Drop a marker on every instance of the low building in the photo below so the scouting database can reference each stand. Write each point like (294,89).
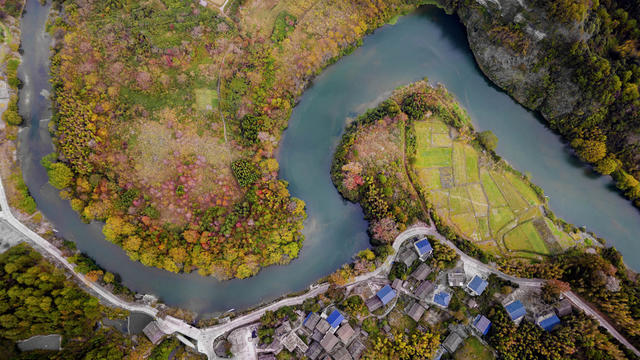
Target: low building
(396,284)
(345,333)
(323,326)
(292,341)
(456,277)
(311,321)
(373,303)
(268,356)
(342,354)
(423,290)
(481,324)
(472,304)
(283,329)
(452,342)
(335,319)
(317,335)
(477,285)
(416,311)
(442,299)
(421,272)
(328,342)
(356,349)
(548,321)
(563,308)
(153,332)
(314,351)
(516,310)
(386,294)
(407,257)
(423,248)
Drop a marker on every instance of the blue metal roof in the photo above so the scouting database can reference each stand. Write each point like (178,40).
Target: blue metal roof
(386,294)
(478,284)
(423,246)
(550,322)
(442,298)
(335,319)
(482,324)
(516,310)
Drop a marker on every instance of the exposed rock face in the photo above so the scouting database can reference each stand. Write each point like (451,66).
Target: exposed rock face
(507,39)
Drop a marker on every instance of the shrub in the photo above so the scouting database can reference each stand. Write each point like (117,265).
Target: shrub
(245,172)
(488,140)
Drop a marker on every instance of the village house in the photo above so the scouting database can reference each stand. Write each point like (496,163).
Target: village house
(563,307)
(153,332)
(415,311)
(345,333)
(407,257)
(442,299)
(423,290)
(335,319)
(396,284)
(342,354)
(481,324)
(452,342)
(356,349)
(314,351)
(477,285)
(268,356)
(291,341)
(328,342)
(516,311)
(548,321)
(323,326)
(421,273)
(423,249)
(456,277)
(382,298)
(311,321)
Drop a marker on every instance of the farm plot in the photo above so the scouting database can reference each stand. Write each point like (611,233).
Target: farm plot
(526,238)
(491,206)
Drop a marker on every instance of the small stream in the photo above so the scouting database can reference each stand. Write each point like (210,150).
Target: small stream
(425,43)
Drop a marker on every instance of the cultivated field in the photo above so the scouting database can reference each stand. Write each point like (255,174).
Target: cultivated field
(495,208)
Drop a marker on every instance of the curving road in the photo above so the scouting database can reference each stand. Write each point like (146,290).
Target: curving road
(205,337)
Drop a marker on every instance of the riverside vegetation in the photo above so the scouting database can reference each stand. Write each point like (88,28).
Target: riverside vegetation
(577,62)
(167,115)
(383,156)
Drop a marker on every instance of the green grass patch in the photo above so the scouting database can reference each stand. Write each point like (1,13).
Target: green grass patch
(459,164)
(423,134)
(491,189)
(564,240)
(471,162)
(473,349)
(483,227)
(206,99)
(467,224)
(499,217)
(515,201)
(438,126)
(440,199)
(478,199)
(434,157)
(525,238)
(393,20)
(524,189)
(430,178)
(441,140)
(459,201)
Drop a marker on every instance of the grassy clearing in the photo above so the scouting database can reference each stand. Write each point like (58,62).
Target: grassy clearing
(439,127)
(468,225)
(499,217)
(515,201)
(483,228)
(430,178)
(525,238)
(206,99)
(524,189)
(440,199)
(491,189)
(473,349)
(459,202)
(564,240)
(423,133)
(459,164)
(478,199)
(471,163)
(441,140)
(434,157)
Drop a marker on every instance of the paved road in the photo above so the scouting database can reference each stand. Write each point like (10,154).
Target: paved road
(205,337)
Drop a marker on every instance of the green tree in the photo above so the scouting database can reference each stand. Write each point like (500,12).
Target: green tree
(488,139)
(60,175)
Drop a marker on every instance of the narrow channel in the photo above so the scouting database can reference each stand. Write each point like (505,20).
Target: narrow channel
(425,43)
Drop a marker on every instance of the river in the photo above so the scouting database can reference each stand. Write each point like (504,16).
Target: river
(425,43)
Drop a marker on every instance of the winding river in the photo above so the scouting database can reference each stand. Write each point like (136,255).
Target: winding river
(425,43)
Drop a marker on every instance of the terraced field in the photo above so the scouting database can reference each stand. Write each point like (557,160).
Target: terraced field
(493,207)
